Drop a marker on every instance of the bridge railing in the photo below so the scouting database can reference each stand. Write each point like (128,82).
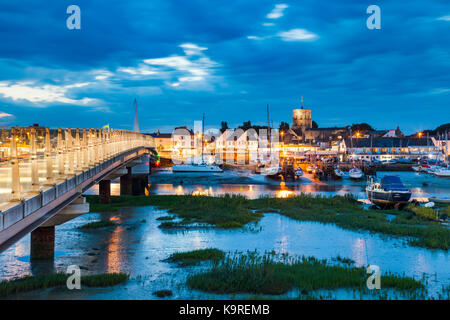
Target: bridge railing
(34,157)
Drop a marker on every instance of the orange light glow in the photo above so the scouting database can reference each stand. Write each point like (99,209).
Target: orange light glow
(284,194)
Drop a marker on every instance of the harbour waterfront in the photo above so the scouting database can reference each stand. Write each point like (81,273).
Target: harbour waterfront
(254,186)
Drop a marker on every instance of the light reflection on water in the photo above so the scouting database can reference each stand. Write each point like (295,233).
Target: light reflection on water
(255,186)
(139,248)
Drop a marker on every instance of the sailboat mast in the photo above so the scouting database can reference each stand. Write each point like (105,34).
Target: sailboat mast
(269,140)
(203,130)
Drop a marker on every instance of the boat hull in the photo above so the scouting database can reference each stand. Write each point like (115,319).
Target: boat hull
(194,168)
(388,199)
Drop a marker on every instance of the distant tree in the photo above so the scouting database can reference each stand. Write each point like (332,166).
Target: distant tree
(246,125)
(224,126)
(361,127)
(315,125)
(443,128)
(284,126)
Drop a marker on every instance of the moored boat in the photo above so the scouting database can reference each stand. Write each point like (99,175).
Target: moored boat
(439,200)
(389,193)
(338,173)
(442,172)
(355,174)
(201,167)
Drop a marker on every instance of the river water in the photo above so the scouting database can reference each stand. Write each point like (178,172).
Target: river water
(138,247)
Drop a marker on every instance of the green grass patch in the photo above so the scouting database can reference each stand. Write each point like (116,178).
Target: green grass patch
(98,224)
(44,281)
(236,211)
(229,211)
(274,275)
(196,256)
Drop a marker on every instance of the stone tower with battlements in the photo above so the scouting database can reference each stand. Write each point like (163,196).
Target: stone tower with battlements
(301,118)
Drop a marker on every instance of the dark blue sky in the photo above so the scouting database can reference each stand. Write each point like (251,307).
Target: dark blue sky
(227,59)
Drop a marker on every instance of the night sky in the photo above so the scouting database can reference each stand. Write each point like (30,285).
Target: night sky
(228,59)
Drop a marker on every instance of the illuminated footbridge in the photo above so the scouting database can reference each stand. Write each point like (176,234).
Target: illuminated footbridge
(44,172)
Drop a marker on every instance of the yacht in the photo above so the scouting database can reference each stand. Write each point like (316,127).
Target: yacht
(356,174)
(388,193)
(442,172)
(338,173)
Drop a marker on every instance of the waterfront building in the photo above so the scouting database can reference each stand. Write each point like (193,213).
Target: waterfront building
(383,149)
(163,143)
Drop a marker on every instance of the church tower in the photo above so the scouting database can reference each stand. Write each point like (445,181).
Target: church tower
(301,118)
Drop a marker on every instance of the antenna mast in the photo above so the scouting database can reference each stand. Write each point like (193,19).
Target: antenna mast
(136,123)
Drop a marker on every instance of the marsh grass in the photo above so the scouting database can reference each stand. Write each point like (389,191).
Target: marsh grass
(98,224)
(274,275)
(196,256)
(44,281)
(236,211)
(228,211)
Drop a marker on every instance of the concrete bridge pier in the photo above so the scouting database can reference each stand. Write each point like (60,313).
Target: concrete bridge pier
(139,185)
(104,191)
(42,246)
(126,182)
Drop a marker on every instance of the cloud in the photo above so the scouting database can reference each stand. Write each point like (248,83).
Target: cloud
(277,12)
(444,18)
(268,24)
(297,35)
(45,93)
(193,67)
(192,49)
(440,91)
(142,70)
(4,115)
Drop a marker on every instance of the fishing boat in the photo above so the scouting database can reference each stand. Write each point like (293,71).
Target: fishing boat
(389,193)
(355,174)
(198,167)
(298,172)
(421,168)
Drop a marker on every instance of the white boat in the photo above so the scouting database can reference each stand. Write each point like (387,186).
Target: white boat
(443,172)
(201,167)
(356,174)
(338,173)
(198,167)
(298,172)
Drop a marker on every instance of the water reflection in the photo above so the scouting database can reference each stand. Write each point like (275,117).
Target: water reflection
(139,248)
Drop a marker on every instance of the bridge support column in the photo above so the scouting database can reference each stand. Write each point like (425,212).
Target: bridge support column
(104,192)
(42,243)
(139,185)
(126,182)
